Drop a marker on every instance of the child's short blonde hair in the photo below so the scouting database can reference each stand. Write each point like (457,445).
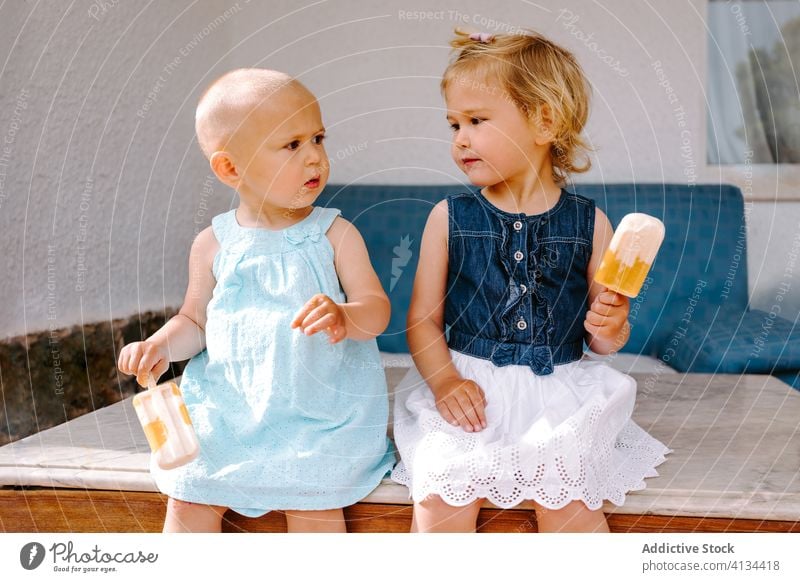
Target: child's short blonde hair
(534,73)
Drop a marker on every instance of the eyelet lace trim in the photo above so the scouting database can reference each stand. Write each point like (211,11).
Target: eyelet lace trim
(578,463)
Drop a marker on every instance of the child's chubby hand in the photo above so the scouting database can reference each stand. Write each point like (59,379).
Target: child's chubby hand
(607,315)
(321,313)
(143,359)
(462,403)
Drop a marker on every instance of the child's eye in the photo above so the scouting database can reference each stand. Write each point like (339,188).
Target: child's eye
(294,145)
(454,126)
(318,139)
(476,120)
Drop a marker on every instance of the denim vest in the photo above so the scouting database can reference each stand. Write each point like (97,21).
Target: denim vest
(516,284)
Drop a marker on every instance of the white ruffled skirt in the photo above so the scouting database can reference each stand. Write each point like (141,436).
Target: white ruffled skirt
(552,439)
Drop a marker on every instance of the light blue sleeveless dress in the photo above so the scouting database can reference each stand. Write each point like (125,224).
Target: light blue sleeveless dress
(284,420)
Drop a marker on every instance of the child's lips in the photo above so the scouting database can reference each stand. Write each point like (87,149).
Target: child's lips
(313,183)
(469,161)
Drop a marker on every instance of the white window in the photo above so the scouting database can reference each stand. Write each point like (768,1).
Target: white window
(753,82)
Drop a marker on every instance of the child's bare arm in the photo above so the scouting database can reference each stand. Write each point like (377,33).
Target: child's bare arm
(183,336)
(606,323)
(367,311)
(460,401)
(425,319)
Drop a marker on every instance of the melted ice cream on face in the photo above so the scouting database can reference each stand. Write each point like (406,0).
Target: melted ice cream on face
(630,254)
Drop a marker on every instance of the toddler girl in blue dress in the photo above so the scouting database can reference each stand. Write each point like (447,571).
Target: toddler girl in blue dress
(287,418)
(501,405)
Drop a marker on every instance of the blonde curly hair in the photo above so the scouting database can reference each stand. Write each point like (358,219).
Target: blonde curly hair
(541,78)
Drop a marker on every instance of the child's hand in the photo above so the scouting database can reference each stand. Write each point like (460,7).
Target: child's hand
(462,403)
(607,315)
(143,359)
(321,313)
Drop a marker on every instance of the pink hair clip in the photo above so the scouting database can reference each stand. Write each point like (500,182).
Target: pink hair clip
(483,37)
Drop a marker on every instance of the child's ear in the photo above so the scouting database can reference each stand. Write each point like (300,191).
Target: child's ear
(544,125)
(223,167)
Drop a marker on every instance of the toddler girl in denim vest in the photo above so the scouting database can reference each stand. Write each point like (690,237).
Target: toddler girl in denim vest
(501,406)
(287,417)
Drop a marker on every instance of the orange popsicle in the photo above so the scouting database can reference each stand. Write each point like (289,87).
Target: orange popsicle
(166,424)
(630,254)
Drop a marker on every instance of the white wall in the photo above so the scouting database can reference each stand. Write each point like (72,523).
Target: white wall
(87,161)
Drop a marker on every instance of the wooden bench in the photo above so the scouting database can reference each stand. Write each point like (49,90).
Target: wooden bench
(735,467)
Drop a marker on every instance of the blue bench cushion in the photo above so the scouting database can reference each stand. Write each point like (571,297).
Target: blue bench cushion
(732,342)
(704,253)
(705,245)
(391,219)
(791,378)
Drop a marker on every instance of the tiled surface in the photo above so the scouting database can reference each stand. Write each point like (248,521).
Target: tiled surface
(735,439)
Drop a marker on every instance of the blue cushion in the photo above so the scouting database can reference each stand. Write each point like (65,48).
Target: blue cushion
(705,247)
(730,342)
(391,220)
(705,242)
(791,378)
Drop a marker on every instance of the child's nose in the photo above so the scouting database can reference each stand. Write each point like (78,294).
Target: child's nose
(314,153)
(461,139)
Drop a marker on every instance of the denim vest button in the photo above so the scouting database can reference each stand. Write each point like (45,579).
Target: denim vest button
(521,325)
(518,225)
(519,256)
(523,289)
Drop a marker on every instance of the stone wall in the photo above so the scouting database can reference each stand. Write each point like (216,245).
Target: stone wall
(50,377)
